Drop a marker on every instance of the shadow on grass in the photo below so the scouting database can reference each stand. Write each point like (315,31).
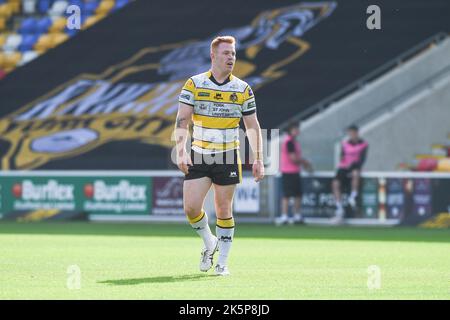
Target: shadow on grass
(163,279)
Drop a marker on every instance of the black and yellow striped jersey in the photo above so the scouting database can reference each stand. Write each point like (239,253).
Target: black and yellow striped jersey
(218,109)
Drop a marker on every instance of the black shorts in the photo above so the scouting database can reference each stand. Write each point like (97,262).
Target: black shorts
(222,168)
(344,175)
(292,185)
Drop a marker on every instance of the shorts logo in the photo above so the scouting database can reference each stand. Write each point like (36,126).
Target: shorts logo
(233,174)
(225,239)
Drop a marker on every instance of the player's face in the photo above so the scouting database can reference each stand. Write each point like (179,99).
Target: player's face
(295,132)
(224,57)
(353,135)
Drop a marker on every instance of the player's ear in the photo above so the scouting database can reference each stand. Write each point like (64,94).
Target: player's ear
(211,54)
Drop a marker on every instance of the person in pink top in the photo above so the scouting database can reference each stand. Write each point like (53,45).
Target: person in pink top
(291,162)
(353,156)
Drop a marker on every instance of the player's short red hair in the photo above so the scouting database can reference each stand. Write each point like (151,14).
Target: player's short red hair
(218,40)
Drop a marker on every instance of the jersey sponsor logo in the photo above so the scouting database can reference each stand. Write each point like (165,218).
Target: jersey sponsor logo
(91,110)
(203,94)
(185,96)
(218,96)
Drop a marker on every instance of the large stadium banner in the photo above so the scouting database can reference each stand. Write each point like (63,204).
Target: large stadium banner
(128,101)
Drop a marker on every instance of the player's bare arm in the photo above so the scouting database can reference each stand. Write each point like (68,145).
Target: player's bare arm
(182,122)
(253,131)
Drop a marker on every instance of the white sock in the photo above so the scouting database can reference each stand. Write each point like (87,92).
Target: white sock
(297,216)
(225,233)
(354,194)
(339,204)
(201,226)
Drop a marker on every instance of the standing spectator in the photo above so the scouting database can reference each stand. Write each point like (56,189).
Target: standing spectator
(353,156)
(291,162)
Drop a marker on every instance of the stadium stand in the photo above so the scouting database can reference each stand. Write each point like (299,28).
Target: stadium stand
(29,28)
(437,160)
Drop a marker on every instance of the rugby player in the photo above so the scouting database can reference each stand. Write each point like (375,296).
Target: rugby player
(215,101)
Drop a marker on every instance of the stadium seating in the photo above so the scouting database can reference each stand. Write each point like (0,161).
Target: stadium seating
(438,160)
(29,28)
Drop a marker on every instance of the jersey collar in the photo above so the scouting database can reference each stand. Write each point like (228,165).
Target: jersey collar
(211,77)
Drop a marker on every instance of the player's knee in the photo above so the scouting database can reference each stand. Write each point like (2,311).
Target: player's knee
(191,210)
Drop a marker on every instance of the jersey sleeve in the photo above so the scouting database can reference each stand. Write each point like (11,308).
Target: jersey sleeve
(187,94)
(249,105)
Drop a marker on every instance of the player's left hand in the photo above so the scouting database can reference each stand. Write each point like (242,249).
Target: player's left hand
(258,170)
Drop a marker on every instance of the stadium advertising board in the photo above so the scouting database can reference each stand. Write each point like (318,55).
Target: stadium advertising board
(168,196)
(117,195)
(408,201)
(99,195)
(246,197)
(34,193)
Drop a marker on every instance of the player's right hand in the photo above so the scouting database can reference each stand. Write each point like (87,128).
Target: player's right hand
(184,162)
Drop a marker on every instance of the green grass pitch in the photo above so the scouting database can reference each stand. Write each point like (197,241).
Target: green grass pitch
(160,261)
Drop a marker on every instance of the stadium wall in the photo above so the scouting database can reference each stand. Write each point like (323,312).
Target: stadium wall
(411,128)
(320,133)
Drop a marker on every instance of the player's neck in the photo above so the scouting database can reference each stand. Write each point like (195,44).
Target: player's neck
(220,76)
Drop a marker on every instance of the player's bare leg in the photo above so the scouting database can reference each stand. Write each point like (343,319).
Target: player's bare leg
(223,201)
(194,193)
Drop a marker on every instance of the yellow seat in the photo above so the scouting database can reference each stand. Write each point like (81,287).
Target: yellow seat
(15,5)
(2,23)
(105,6)
(44,43)
(58,38)
(92,20)
(2,60)
(443,165)
(5,10)
(58,25)
(429,156)
(2,39)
